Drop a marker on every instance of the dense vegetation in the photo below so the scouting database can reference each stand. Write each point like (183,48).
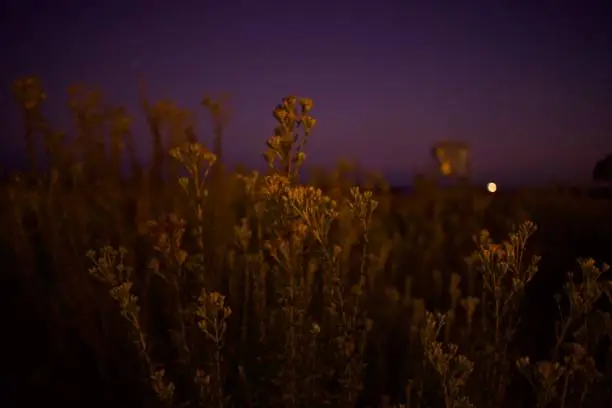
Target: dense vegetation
(242,289)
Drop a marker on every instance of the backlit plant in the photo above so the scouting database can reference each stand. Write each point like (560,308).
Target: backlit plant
(246,289)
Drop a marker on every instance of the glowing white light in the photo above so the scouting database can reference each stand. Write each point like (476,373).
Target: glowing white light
(491,187)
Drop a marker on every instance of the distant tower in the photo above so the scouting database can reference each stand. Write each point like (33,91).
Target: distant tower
(453,158)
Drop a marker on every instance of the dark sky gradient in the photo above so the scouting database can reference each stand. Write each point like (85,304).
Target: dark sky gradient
(528,84)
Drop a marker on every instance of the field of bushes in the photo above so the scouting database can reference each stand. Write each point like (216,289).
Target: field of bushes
(187,284)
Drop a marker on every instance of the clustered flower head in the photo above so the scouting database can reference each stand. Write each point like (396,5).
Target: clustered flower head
(362,205)
(504,262)
(213,312)
(167,233)
(274,186)
(193,156)
(285,151)
(108,265)
(310,205)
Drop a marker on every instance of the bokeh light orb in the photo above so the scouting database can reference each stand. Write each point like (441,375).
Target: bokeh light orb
(491,187)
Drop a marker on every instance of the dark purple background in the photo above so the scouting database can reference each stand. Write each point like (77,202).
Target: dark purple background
(527,85)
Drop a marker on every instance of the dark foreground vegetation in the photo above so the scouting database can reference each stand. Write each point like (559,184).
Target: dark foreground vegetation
(219,289)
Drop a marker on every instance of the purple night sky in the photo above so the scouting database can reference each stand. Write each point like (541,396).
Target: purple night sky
(528,86)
